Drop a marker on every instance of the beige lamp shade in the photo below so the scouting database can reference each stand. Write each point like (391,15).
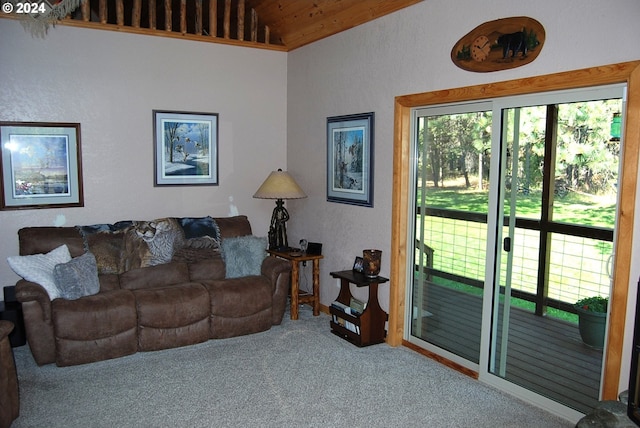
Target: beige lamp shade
(279,185)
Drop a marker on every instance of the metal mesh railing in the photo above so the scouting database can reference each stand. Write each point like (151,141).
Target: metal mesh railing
(577,268)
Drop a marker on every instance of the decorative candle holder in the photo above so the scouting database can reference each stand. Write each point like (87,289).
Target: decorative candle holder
(371,262)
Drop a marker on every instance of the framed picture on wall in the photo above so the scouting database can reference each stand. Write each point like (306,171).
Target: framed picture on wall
(185,148)
(350,159)
(41,165)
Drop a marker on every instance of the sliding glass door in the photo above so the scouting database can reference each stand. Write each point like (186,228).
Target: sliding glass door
(450,229)
(518,194)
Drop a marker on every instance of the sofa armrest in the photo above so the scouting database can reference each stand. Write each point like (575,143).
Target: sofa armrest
(273,267)
(5,328)
(36,310)
(27,291)
(279,273)
(9,393)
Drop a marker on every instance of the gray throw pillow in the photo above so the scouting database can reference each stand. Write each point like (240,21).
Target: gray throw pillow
(243,255)
(78,277)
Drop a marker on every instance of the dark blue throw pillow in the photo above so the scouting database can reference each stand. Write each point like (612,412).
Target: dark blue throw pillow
(197,227)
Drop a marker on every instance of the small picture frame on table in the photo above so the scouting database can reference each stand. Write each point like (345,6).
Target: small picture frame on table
(358,265)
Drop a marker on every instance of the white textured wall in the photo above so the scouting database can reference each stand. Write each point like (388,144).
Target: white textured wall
(110,82)
(363,69)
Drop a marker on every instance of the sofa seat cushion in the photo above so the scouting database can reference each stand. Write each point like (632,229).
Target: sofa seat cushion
(155,276)
(94,328)
(240,306)
(239,297)
(172,316)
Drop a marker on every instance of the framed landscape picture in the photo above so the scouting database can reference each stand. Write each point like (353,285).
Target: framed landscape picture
(185,148)
(350,159)
(41,165)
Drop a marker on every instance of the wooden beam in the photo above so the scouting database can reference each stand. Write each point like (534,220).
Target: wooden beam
(136,12)
(213,18)
(78,23)
(254,25)
(183,16)
(152,15)
(227,19)
(85,7)
(240,35)
(167,15)
(120,12)
(198,17)
(102,11)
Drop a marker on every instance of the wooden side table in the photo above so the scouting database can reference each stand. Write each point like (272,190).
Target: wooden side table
(369,326)
(298,297)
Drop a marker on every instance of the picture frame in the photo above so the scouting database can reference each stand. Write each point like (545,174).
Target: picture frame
(185,148)
(350,159)
(358,265)
(41,165)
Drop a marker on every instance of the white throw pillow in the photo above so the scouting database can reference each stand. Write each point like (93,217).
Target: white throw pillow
(39,268)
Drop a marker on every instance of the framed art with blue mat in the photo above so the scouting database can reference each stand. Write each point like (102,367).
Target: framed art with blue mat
(185,148)
(350,159)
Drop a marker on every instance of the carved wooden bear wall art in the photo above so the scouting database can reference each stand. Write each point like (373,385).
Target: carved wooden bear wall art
(499,45)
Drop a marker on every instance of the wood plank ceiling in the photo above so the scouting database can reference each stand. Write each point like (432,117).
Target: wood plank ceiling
(298,23)
(269,24)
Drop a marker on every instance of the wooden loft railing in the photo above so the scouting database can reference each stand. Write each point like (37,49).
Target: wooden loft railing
(218,21)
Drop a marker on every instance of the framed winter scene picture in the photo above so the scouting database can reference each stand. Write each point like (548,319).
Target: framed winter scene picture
(350,159)
(185,148)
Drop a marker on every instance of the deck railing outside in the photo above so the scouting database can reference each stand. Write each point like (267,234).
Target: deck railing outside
(578,266)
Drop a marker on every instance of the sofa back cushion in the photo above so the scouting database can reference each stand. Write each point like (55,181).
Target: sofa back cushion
(40,240)
(233,226)
(208,269)
(155,276)
(109,282)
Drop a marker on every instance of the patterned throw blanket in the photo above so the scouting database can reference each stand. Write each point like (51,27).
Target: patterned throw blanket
(131,244)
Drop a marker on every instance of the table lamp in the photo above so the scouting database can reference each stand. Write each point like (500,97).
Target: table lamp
(279,185)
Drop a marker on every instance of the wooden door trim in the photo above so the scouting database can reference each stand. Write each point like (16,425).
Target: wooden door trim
(629,73)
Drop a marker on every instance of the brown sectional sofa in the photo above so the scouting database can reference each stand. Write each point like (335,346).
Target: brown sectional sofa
(185,301)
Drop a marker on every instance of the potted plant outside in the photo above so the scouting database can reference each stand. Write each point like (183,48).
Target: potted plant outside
(592,320)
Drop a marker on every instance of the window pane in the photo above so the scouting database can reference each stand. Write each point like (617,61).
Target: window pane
(587,163)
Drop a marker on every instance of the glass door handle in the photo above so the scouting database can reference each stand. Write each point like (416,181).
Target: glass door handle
(506,244)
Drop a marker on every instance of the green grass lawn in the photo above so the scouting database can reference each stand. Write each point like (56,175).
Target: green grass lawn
(578,265)
(574,208)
